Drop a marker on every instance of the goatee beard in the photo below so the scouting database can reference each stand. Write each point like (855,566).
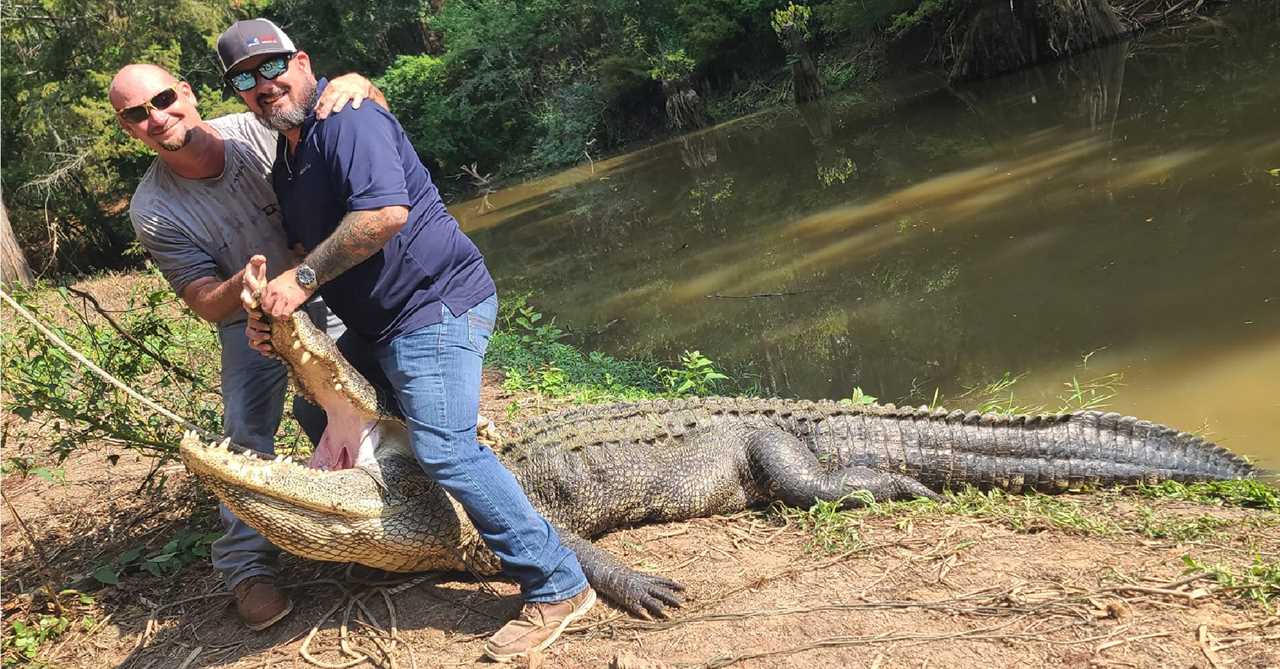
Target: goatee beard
(177,146)
(283,120)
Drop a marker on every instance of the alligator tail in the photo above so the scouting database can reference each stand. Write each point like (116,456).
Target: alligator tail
(1054,453)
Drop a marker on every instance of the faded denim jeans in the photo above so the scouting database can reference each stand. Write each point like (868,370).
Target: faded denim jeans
(434,378)
(253,390)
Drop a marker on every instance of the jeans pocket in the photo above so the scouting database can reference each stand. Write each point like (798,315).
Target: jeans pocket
(479,328)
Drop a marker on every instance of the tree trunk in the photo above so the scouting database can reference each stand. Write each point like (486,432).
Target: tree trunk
(804,72)
(992,38)
(995,38)
(13,262)
(685,110)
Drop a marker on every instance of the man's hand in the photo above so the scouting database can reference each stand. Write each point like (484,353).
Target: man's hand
(283,296)
(351,88)
(257,330)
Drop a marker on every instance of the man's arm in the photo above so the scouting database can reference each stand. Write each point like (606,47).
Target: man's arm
(214,300)
(359,235)
(349,87)
(190,270)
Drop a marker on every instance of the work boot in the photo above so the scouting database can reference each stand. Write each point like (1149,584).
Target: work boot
(260,603)
(538,626)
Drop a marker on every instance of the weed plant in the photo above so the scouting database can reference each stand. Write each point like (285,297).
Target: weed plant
(529,350)
(1259,582)
(26,635)
(159,351)
(1250,493)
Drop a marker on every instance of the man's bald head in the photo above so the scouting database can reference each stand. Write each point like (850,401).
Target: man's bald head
(138,76)
(167,129)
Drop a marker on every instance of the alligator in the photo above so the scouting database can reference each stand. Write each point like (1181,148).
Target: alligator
(593,469)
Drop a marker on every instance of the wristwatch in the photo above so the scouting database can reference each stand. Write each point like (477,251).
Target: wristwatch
(306,276)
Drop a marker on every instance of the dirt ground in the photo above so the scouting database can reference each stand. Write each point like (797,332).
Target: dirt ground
(917,591)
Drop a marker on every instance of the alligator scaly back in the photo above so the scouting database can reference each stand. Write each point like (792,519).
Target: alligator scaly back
(940,448)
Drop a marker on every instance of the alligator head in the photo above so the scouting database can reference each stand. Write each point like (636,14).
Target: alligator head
(371,503)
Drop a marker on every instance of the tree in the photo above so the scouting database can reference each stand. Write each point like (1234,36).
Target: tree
(67,168)
(791,24)
(13,262)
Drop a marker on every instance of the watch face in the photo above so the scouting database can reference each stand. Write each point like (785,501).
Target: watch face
(306,276)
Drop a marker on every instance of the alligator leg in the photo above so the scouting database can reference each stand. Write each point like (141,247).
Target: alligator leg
(789,471)
(642,595)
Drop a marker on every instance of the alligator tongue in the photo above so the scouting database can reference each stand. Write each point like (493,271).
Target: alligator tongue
(348,440)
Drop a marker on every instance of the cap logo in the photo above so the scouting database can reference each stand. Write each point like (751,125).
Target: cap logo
(261,39)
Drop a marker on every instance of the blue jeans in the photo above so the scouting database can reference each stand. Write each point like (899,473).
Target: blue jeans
(253,390)
(434,375)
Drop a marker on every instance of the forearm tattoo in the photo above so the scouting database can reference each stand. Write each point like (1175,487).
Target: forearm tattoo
(360,234)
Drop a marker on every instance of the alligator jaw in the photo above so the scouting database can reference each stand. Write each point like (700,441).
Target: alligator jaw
(387,514)
(347,494)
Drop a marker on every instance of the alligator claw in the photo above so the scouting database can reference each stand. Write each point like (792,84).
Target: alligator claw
(911,488)
(648,595)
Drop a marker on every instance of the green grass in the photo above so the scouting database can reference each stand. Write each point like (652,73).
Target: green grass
(1246,493)
(835,529)
(528,349)
(830,529)
(1155,525)
(1259,582)
(1079,394)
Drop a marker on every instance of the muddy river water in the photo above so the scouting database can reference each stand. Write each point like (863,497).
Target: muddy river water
(1113,217)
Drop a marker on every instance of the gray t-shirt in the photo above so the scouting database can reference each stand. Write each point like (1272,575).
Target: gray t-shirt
(196,228)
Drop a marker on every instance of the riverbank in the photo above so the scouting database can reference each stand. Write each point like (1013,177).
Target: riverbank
(1174,574)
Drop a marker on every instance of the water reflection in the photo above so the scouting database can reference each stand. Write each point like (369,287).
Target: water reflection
(928,238)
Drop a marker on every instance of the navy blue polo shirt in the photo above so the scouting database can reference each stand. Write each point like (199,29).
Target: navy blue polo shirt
(361,159)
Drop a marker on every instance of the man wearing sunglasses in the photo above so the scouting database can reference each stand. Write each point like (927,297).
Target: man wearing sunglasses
(202,210)
(416,296)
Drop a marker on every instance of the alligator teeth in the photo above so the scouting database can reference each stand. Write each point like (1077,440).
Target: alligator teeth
(337,386)
(306,357)
(297,344)
(225,443)
(279,458)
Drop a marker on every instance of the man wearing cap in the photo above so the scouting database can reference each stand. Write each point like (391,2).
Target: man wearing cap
(203,208)
(414,291)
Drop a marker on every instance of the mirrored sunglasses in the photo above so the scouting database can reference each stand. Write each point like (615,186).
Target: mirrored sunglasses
(139,113)
(267,69)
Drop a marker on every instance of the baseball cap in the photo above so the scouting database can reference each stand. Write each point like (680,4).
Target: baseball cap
(254,37)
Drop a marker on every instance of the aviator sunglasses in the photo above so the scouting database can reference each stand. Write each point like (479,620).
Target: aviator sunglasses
(267,69)
(139,113)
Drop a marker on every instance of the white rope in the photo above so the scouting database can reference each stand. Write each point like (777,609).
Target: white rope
(186,424)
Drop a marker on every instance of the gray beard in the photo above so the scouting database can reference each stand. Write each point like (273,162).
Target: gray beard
(177,146)
(285,120)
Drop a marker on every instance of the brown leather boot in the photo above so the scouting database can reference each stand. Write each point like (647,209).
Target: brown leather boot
(260,603)
(538,626)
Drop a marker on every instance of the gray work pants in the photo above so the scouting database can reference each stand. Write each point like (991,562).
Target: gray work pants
(253,390)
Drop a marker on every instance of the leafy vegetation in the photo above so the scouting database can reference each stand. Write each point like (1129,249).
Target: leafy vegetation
(1259,582)
(696,375)
(24,638)
(1245,493)
(530,352)
(1088,394)
(152,346)
(187,546)
(507,86)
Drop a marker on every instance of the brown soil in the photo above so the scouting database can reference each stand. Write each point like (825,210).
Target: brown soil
(918,591)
